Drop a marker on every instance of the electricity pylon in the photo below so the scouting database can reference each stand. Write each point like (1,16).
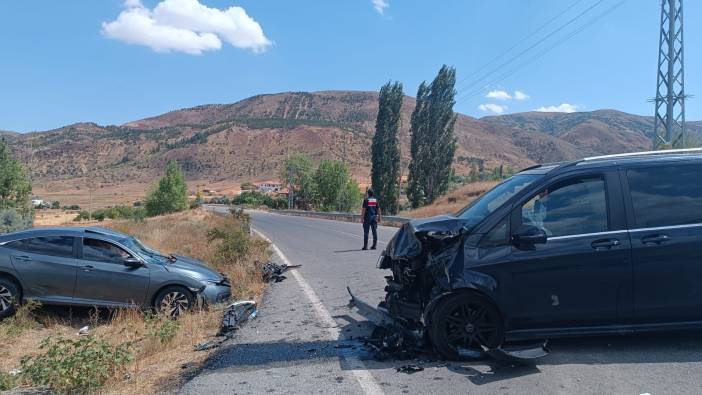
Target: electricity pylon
(669,126)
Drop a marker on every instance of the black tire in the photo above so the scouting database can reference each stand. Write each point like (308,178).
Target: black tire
(174,301)
(9,297)
(465,321)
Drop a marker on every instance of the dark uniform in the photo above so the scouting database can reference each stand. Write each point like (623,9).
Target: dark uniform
(370,220)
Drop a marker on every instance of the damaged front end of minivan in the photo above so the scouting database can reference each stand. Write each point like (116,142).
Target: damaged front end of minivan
(427,258)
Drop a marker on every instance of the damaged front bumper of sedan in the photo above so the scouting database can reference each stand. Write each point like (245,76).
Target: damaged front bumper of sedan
(427,262)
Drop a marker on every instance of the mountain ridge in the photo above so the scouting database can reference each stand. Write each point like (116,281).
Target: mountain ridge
(248,140)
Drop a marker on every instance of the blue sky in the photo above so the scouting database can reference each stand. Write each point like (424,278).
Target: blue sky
(111,61)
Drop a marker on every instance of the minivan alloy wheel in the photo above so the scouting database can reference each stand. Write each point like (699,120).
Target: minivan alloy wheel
(470,326)
(6,298)
(174,304)
(466,322)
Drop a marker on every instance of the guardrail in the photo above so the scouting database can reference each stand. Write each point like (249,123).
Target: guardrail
(388,220)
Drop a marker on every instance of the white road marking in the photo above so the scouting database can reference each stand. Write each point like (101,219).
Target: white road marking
(358,368)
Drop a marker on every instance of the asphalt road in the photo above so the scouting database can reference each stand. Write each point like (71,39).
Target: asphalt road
(305,338)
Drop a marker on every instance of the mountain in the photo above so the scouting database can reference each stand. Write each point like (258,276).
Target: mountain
(249,140)
(596,132)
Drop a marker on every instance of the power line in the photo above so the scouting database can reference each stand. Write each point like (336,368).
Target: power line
(537,43)
(466,95)
(530,35)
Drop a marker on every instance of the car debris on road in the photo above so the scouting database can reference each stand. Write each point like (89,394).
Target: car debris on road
(235,315)
(394,339)
(273,272)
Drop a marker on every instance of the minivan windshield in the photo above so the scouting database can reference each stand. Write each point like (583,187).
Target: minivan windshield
(480,208)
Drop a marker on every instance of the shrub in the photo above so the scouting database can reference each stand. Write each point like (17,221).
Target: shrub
(55,205)
(7,381)
(234,241)
(75,366)
(73,207)
(116,212)
(11,220)
(256,199)
(161,328)
(22,320)
(170,194)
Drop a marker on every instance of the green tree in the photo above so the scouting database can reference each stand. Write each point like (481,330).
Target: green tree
(351,197)
(15,188)
(298,175)
(385,153)
(433,143)
(169,194)
(331,179)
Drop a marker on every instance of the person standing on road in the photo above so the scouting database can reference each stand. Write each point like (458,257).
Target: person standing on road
(371,217)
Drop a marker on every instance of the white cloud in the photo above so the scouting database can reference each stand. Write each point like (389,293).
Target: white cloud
(498,95)
(493,108)
(186,26)
(380,5)
(519,95)
(565,107)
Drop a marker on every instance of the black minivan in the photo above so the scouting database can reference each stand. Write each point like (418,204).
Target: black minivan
(609,244)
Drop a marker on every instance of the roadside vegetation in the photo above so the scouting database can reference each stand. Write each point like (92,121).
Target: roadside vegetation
(328,187)
(15,193)
(131,351)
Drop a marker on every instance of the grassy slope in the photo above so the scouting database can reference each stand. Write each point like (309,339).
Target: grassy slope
(452,202)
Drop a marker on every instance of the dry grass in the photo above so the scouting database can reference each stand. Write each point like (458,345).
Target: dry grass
(160,349)
(51,217)
(452,202)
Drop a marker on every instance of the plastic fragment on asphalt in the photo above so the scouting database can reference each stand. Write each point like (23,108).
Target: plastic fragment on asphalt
(272,272)
(235,315)
(518,354)
(409,369)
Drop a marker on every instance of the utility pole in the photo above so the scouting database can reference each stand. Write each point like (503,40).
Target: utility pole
(669,124)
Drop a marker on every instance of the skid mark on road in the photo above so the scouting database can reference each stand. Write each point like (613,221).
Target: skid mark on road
(357,367)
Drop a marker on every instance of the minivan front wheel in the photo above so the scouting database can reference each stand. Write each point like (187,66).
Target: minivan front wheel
(465,322)
(174,301)
(9,296)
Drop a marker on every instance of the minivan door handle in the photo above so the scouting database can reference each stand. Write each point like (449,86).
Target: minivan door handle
(605,244)
(655,239)
(22,258)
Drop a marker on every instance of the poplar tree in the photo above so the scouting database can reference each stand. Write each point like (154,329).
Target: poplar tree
(433,143)
(385,152)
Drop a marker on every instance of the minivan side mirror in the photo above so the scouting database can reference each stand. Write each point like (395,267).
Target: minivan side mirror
(133,263)
(529,235)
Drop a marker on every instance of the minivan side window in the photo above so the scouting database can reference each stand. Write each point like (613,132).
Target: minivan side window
(571,207)
(103,251)
(59,246)
(666,195)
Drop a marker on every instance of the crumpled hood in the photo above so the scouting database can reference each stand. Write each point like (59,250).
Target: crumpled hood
(193,268)
(406,243)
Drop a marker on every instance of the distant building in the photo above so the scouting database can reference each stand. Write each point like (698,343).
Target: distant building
(269,187)
(37,203)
